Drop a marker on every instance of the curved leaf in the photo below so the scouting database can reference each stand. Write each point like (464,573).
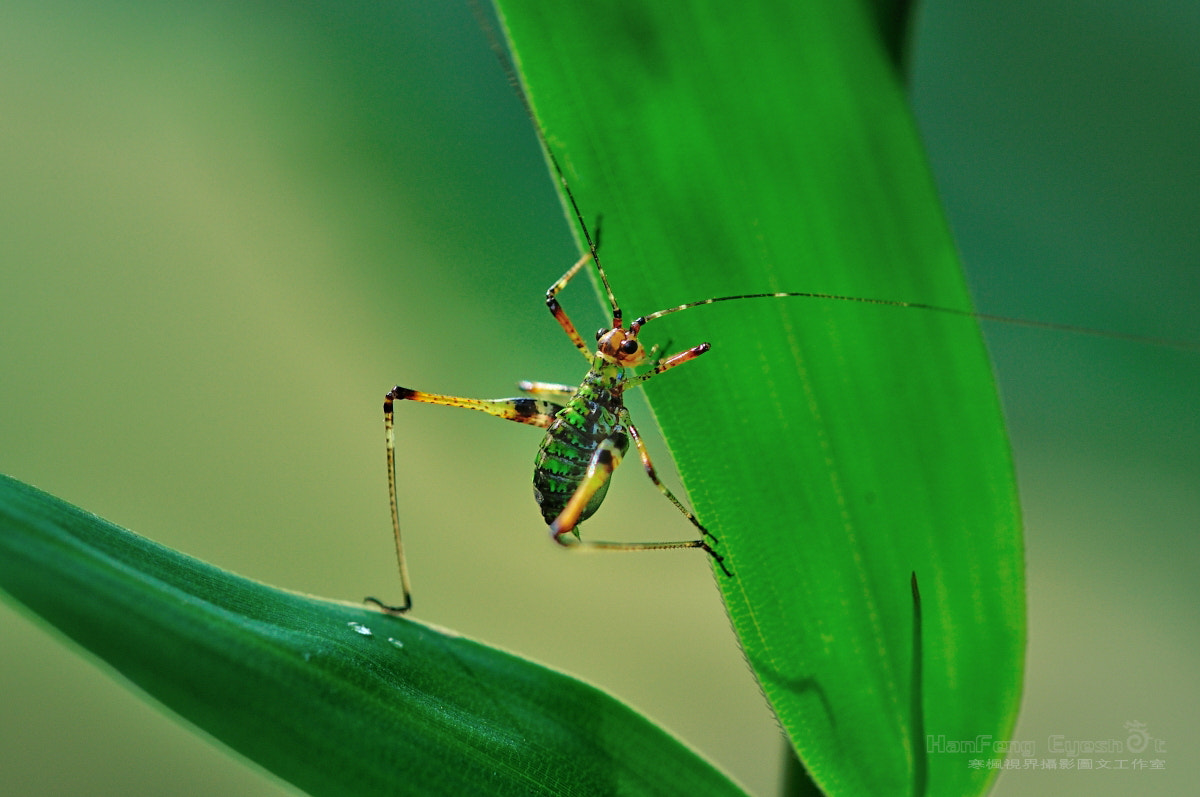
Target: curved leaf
(335,698)
(834,448)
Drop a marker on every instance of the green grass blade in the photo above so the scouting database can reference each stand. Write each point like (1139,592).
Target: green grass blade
(335,698)
(834,448)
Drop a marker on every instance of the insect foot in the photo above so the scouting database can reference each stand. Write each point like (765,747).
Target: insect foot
(388,609)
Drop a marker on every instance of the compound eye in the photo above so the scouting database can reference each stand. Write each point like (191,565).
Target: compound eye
(629,347)
(600,333)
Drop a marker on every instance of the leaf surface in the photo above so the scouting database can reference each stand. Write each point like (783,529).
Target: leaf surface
(335,698)
(835,448)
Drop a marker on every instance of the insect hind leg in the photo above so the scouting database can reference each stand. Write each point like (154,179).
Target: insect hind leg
(532,411)
(600,469)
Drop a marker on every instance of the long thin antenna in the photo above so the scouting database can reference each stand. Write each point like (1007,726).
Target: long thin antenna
(514,81)
(1024,322)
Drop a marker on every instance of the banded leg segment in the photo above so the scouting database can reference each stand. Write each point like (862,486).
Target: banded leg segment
(666,364)
(532,411)
(559,314)
(600,469)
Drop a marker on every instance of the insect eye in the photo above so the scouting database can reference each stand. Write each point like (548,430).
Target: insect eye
(629,347)
(600,333)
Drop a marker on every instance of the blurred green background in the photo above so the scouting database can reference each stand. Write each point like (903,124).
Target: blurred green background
(228,228)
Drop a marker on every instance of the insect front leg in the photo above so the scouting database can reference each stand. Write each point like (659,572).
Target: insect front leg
(559,314)
(531,411)
(600,468)
(667,363)
(655,355)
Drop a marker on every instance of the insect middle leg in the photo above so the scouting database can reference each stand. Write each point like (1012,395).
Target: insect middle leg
(600,469)
(551,390)
(532,411)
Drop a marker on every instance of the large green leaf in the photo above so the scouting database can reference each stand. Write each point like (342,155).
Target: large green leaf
(336,698)
(834,448)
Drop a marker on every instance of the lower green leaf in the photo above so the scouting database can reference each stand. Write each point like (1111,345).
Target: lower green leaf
(335,698)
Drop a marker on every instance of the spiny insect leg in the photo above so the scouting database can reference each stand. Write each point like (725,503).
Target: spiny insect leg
(559,314)
(603,463)
(390,439)
(644,453)
(532,411)
(535,412)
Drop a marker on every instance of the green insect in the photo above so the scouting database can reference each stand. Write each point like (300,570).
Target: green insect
(588,428)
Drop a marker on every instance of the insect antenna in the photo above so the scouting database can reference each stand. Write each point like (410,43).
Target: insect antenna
(1149,340)
(510,72)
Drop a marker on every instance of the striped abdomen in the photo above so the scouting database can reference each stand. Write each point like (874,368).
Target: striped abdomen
(571,440)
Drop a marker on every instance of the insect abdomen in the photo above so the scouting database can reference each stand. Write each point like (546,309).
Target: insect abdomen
(563,458)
